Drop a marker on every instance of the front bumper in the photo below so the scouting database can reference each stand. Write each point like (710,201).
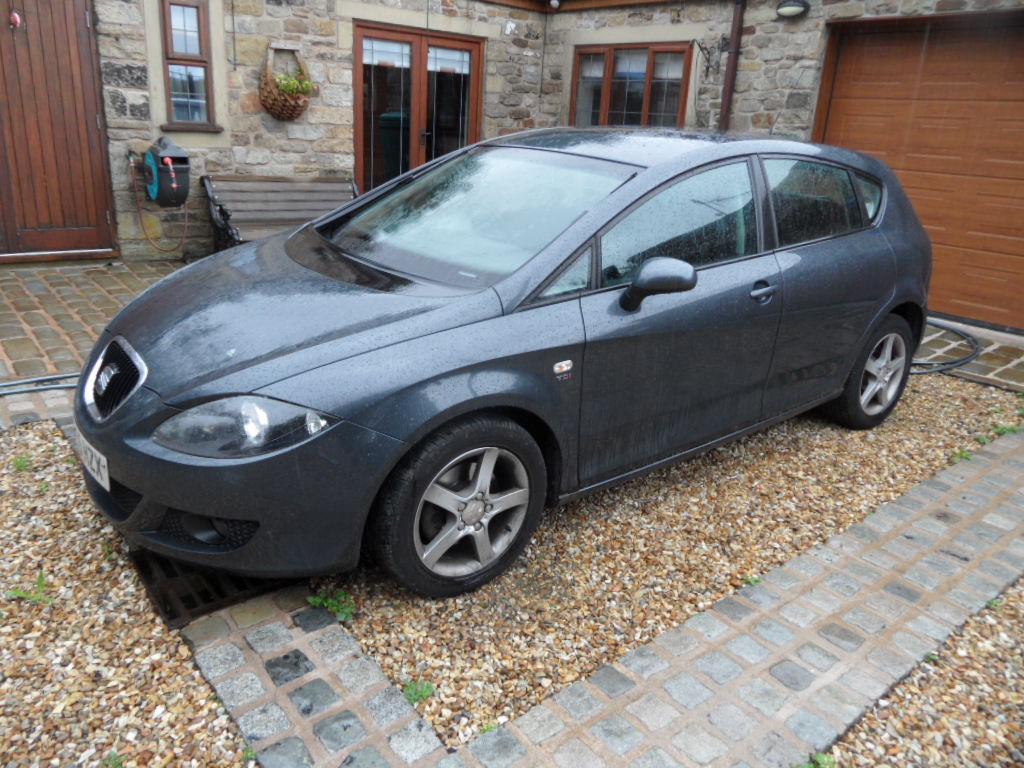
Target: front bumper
(296,512)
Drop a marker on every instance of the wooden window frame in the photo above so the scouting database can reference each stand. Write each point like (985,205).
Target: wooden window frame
(203,59)
(420,40)
(606,82)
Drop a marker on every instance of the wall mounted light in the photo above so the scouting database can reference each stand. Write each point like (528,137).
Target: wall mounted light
(555,4)
(790,9)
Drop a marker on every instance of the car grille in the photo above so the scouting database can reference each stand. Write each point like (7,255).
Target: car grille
(125,500)
(236,533)
(108,393)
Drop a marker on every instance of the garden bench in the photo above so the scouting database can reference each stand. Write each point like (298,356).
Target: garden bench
(245,208)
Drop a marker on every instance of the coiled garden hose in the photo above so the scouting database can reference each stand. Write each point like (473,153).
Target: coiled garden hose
(937,366)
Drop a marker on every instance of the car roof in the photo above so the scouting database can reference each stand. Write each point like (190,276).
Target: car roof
(651,147)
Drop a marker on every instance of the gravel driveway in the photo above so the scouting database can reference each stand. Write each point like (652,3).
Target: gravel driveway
(94,669)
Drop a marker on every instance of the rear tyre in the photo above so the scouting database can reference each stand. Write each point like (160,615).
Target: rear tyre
(878,377)
(460,508)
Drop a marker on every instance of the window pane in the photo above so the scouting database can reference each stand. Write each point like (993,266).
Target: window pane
(871,194)
(188,93)
(387,95)
(703,219)
(811,200)
(185,30)
(666,88)
(628,84)
(588,91)
(573,280)
(448,88)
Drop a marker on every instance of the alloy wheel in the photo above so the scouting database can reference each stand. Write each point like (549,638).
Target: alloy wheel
(471,512)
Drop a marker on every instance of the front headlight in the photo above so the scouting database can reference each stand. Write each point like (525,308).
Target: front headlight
(240,426)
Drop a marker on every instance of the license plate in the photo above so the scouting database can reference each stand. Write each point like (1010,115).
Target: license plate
(94,462)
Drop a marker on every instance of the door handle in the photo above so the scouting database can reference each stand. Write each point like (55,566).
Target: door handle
(762,292)
(423,138)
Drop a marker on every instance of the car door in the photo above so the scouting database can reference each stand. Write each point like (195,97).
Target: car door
(684,368)
(836,272)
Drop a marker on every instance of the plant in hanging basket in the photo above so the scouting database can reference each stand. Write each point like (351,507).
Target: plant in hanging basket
(292,84)
(284,95)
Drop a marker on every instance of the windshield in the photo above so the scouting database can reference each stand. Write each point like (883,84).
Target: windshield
(473,220)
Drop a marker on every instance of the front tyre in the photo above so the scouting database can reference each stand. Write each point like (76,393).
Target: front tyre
(878,377)
(460,507)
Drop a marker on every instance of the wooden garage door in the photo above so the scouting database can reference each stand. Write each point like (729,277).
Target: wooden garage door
(942,102)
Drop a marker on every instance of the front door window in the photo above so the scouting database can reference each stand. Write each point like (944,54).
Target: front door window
(418,100)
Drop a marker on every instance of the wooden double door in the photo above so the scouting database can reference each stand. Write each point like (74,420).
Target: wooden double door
(417,98)
(55,199)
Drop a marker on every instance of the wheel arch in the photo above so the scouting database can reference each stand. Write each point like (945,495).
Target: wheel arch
(915,317)
(538,429)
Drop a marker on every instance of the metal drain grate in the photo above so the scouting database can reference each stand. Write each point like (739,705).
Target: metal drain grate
(181,593)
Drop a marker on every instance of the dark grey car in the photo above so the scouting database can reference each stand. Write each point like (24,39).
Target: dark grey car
(516,324)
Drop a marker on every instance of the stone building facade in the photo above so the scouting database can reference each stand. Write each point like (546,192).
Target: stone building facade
(528,77)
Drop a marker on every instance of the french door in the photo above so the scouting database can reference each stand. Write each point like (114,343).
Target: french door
(418,97)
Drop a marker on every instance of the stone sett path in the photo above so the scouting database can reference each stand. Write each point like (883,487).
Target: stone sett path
(765,677)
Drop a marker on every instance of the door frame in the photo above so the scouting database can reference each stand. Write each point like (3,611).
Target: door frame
(420,39)
(93,99)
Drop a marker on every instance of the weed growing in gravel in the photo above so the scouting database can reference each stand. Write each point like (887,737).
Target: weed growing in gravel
(70,460)
(962,455)
(340,603)
(21,463)
(751,579)
(249,754)
(931,657)
(983,439)
(491,726)
(1001,430)
(417,690)
(44,487)
(819,760)
(113,760)
(36,595)
(108,552)
(995,603)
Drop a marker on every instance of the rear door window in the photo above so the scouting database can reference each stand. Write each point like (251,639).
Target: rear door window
(811,200)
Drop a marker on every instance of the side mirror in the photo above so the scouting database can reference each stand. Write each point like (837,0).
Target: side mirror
(658,275)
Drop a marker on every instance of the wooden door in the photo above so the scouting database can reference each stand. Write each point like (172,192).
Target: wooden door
(418,98)
(54,179)
(942,102)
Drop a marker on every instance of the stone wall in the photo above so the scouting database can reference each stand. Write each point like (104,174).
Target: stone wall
(320,142)
(528,77)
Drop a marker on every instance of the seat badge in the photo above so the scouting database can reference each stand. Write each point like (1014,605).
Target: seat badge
(563,370)
(105,377)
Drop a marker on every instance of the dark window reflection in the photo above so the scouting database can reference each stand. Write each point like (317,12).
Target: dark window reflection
(811,200)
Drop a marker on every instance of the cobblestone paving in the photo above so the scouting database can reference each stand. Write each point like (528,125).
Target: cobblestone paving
(1001,363)
(50,316)
(766,677)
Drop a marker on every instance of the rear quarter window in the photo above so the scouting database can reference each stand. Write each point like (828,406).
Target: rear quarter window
(811,200)
(871,193)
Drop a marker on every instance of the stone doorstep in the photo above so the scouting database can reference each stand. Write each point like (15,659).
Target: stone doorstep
(767,676)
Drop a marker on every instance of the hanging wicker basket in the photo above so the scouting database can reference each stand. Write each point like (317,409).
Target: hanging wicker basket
(283,106)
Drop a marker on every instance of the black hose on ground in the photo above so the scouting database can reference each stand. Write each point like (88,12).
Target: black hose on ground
(937,366)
